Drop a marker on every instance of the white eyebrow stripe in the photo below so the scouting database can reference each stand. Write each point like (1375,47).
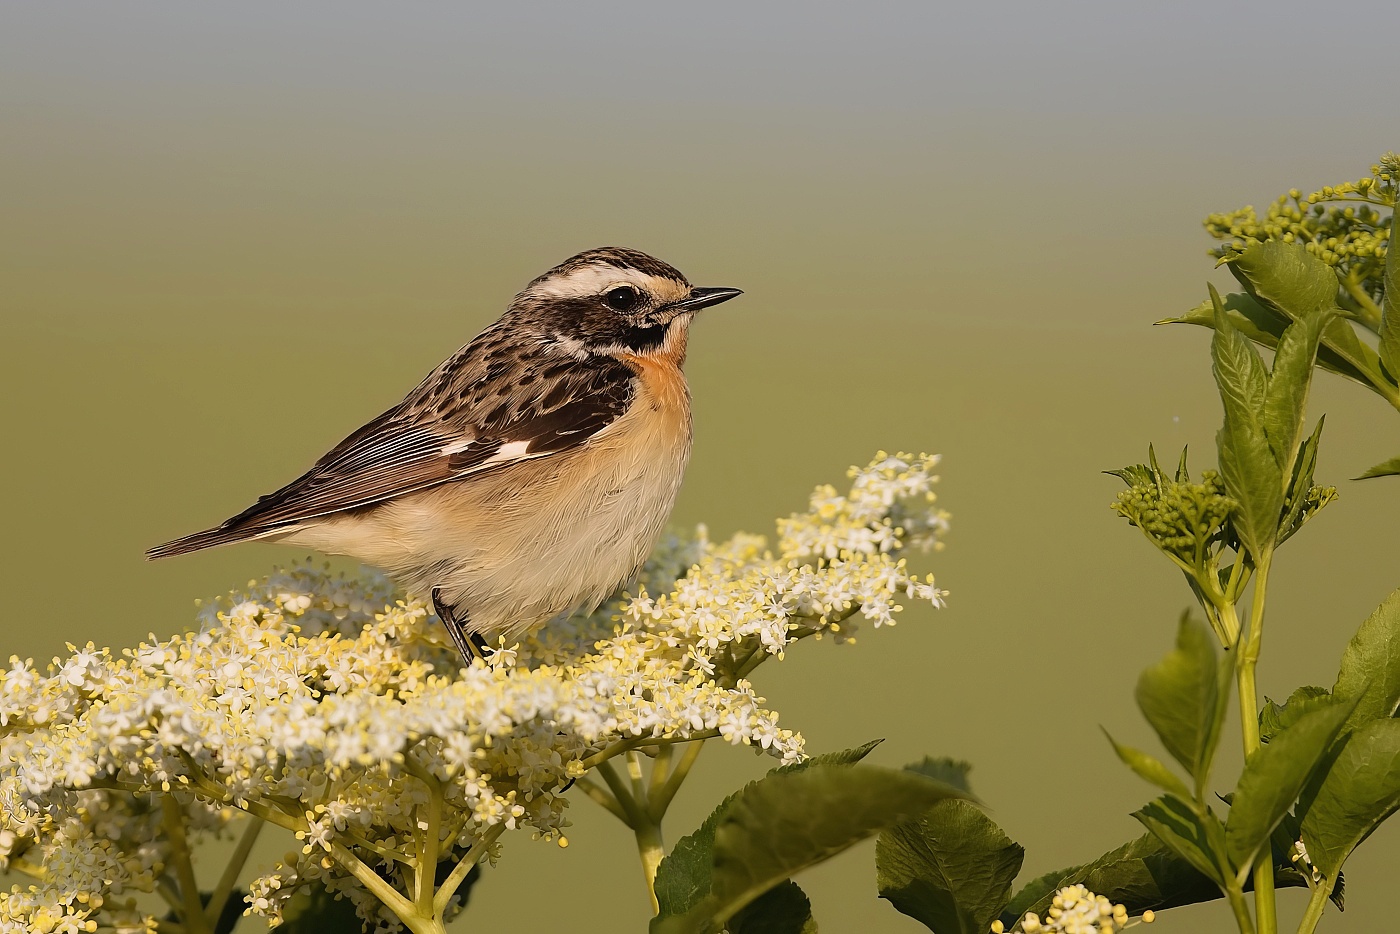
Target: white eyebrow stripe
(595,278)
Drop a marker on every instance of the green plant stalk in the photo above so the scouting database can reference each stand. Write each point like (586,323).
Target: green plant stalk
(192,911)
(459,872)
(1241,909)
(1265,902)
(1317,903)
(220,896)
(661,799)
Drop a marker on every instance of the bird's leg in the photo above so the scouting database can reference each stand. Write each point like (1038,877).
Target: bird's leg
(471,645)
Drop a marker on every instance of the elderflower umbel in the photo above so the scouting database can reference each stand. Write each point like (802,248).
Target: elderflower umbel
(1076,910)
(335,708)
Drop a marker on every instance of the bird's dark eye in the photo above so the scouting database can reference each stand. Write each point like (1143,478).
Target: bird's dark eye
(622,298)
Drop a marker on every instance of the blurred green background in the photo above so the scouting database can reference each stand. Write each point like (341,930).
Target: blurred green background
(232,233)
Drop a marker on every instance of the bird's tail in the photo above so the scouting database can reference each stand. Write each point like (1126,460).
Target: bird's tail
(221,535)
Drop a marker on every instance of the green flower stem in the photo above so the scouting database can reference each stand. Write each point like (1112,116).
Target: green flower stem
(615,750)
(192,910)
(661,799)
(1317,902)
(34,871)
(621,793)
(428,840)
(453,882)
(638,780)
(645,828)
(652,851)
(1367,312)
(1265,907)
(392,898)
(1241,909)
(660,770)
(600,795)
(220,896)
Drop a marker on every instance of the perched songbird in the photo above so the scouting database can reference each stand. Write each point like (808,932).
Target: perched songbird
(528,475)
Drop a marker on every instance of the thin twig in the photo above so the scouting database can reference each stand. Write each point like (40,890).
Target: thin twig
(219,897)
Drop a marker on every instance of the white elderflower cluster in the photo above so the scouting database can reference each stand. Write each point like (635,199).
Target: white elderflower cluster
(1076,910)
(336,708)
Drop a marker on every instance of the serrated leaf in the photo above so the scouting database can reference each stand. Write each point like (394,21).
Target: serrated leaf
(787,822)
(951,869)
(1370,669)
(1181,698)
(1360,790)
(1385,469)
(838,757)
(1286,277)
(783,909)
(1290,381)
(1264,326)
(1151,769)
(1247,466)
(1274,776)
(1194,837)
(1289,279)
(683,878)
(1390,304)
(1296,499)
(1142,875)
(1276,717)
(951,772)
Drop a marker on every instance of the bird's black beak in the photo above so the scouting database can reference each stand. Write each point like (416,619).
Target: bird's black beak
(704,298)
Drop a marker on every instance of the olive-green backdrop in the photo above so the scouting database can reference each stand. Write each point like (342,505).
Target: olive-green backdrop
(232,234)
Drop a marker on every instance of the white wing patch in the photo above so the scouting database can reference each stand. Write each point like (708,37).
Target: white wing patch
(457,447)
(513,450)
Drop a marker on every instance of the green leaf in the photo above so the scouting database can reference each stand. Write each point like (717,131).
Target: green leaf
(1151,769)
(1385,469)
(1252,477)
(1370,668)
(786,822)
(683,878)
(839,757)
(1141,875)
(951,869)
(1390,304)
(1286,277)
(951,772)
(1181,698)
(783,909)
(1296,502)
(1293,282)
(1264,326)
(1274,776)
(1276,717)
(1286,403)
(1196,838)
(1360,790)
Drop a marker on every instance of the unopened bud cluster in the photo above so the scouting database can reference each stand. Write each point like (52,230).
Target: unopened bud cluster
(1182,518)
(1339,224)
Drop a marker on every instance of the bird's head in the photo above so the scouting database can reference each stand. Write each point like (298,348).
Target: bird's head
(617,302)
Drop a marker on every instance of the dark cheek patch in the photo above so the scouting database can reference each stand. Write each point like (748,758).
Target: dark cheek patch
(642,339)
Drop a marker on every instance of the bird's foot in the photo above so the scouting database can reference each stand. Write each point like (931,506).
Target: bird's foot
(472,645)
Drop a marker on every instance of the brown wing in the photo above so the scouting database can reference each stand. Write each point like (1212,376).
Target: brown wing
(455,425)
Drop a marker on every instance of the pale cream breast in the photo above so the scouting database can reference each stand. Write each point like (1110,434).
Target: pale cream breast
(516,547)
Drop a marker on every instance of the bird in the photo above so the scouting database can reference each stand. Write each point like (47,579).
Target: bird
(529,474)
